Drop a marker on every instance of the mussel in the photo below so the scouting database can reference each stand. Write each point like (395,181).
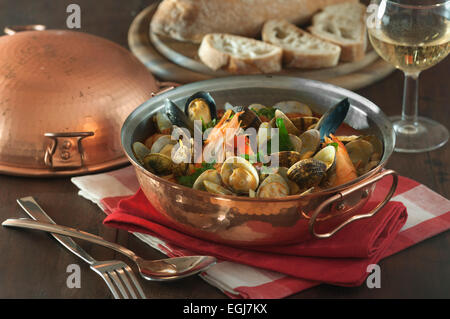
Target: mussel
(247,117)
(177,117)
(332,119)
(201,106)
(312,158)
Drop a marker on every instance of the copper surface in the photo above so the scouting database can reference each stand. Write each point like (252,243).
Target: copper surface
(245,221)
(350,190)
(54,82)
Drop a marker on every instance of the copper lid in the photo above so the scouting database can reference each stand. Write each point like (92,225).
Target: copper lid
(63,98)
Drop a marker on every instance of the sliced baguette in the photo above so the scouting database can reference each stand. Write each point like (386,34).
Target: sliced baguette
(190,20)
(300,49)
(343,24)
(240,55)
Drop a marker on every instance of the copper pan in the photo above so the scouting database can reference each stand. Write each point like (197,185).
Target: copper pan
(63,98)
(249,221)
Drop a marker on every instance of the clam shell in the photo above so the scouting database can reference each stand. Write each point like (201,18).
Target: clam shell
(376,143)
(160,143)
(264,135)
(140,151)
(360,152)
(293,187)
(239,174)
(307,173)
(290,127)
(214,188)
(304,123)
(347,138)
(310,143)
(182,152)
(327,155)
(287,158)
(242,181)
(210,175)
(293,107)
(159,164)
(151,139)
(296,143)
(162,122)
(273,186)
(256,106)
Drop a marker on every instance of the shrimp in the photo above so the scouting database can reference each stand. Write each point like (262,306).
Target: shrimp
(221,138)
(222,127)
(345,171)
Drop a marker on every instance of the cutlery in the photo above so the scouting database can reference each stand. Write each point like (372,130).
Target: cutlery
(115,273)
(158,270)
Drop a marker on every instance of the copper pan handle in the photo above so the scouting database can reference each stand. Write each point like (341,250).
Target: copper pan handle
(163,87)
(65,150)
(342,194)
(10,30)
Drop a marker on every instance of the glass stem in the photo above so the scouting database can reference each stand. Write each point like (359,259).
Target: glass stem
(410,103)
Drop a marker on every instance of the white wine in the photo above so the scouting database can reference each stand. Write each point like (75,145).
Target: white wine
(412,45)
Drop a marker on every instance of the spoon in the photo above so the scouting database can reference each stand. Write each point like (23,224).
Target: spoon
(162,270)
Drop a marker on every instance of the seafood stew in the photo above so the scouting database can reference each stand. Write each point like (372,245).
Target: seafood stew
(256,150)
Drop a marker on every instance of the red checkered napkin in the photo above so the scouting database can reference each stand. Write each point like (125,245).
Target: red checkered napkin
(428,215)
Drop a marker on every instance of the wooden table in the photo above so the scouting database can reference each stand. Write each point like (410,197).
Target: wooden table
(32,265)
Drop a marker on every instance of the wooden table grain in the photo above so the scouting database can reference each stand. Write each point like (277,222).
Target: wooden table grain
(32,265)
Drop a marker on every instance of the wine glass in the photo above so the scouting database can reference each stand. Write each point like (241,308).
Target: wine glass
(413,35)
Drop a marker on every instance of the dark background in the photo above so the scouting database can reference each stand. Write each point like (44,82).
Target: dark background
(34,266)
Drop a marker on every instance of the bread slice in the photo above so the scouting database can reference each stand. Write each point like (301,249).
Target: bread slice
(345,25)
(300,49)
(240,55)
(190,20)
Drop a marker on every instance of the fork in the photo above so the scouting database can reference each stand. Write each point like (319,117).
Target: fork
(114,273)
(118,275)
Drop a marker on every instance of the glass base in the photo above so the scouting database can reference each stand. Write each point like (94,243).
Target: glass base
(426,135)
